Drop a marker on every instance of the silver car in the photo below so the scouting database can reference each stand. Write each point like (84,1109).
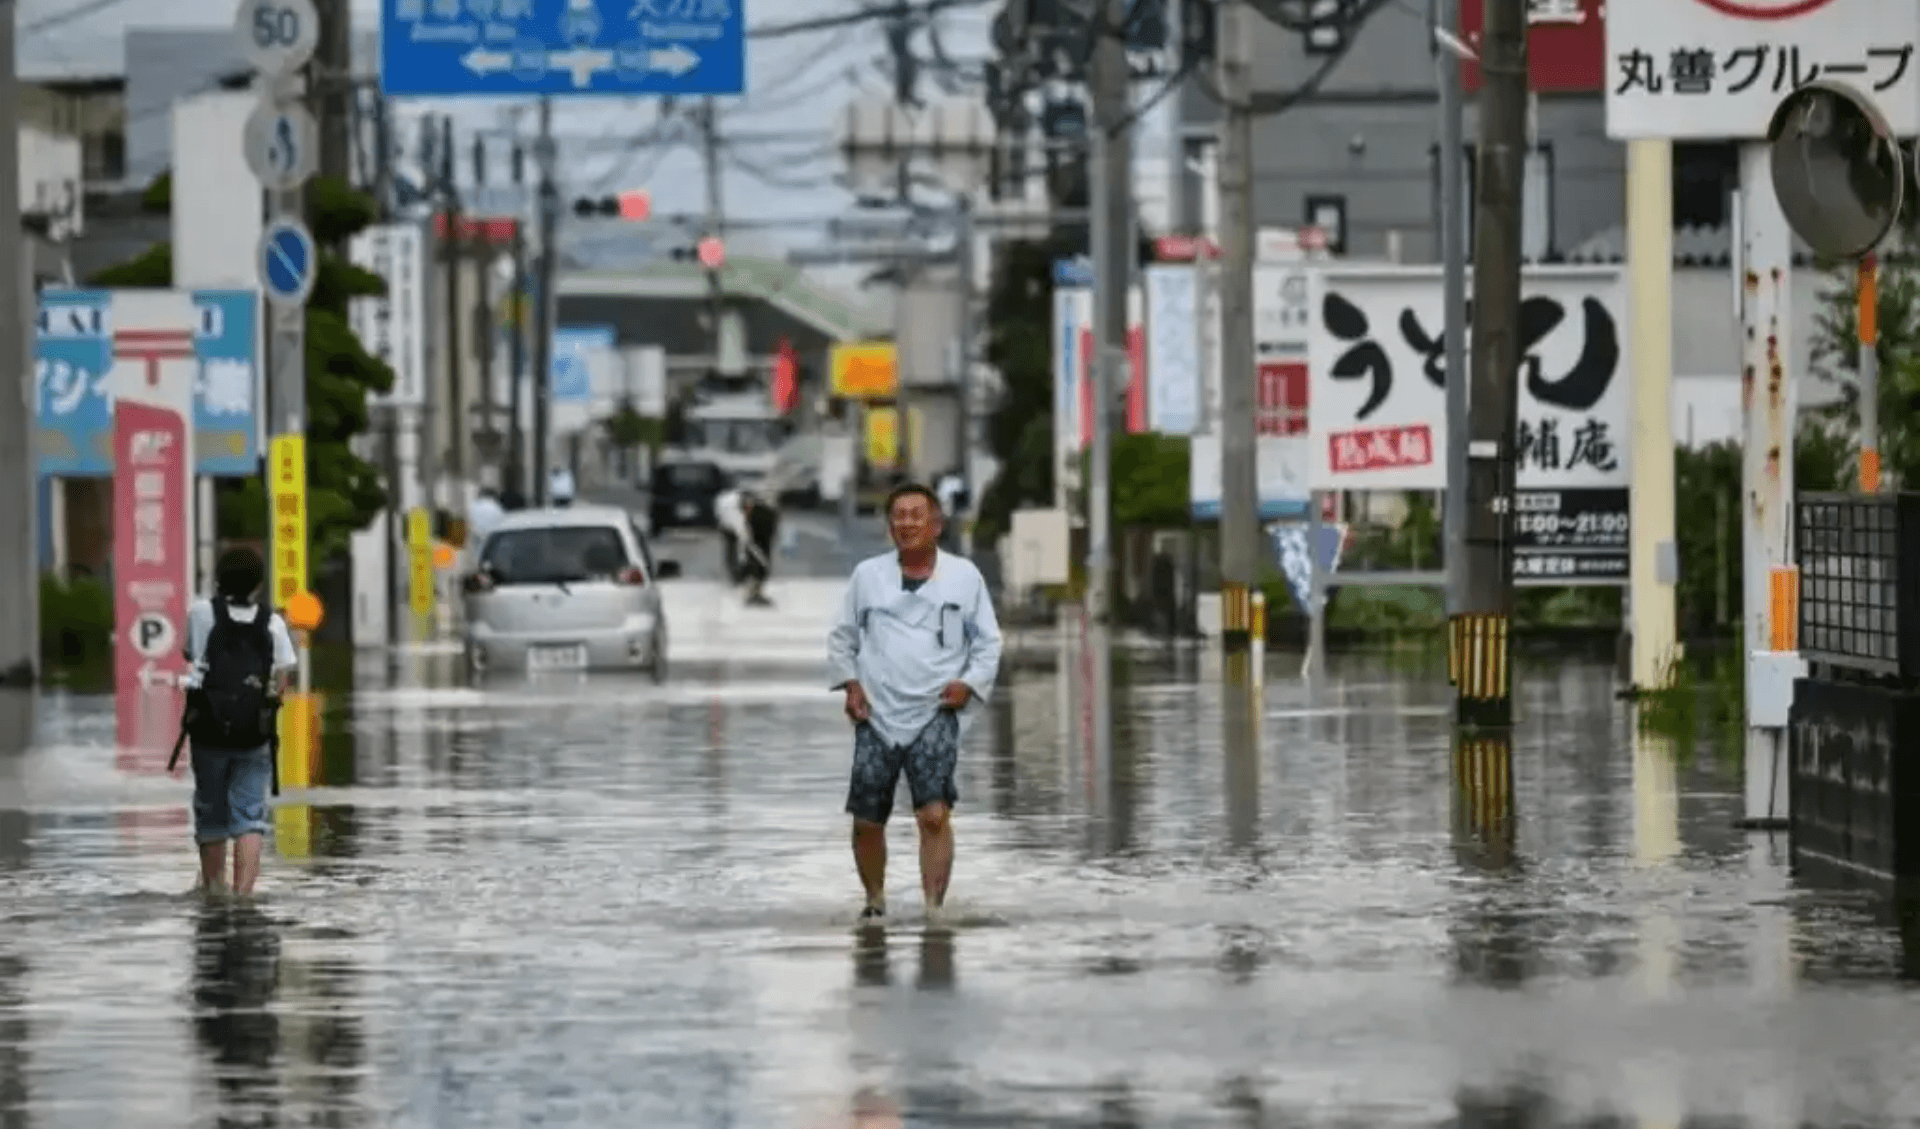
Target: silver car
(567,589)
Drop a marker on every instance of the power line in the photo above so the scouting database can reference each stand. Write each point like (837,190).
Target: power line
(895,11)
(58,19)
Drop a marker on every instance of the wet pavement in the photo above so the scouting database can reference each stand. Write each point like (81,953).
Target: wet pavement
(597,901)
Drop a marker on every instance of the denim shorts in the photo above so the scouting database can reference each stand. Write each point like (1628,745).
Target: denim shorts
(230,793)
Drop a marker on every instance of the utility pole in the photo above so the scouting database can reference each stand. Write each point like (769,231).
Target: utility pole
(1483,674)
(20,602)
(1453,258)
(516,477)
(1111,174)
(333,88)
(452,247)
(545,156)
(963,234)
(1240,555)
(710,159)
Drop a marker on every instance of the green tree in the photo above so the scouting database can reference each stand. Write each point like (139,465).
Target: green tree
(1836,360)
(1020,345)
(344,491)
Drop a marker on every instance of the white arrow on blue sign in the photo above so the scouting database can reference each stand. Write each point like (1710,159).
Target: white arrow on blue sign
(287,262)
(619,47)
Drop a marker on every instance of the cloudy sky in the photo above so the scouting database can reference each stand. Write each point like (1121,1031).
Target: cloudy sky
(780,162)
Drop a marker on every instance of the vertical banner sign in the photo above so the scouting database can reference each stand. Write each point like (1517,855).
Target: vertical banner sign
(72,359)
(1072,338)
(226,417)
(390,327)
(883,437)
(1379,406)
(1173,348)
(152,382)
(419,562)
(287,483)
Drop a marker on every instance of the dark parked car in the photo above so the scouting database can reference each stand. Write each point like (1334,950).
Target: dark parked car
(683,493)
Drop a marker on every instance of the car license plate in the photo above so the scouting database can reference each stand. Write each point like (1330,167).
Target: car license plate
(557,658)
(688,509)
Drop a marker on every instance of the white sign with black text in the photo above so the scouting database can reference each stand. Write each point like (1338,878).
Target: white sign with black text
(1717,69)
(1379,406)
(391,328)
(1378,392)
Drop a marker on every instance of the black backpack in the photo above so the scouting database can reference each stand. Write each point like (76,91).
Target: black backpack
(233,708)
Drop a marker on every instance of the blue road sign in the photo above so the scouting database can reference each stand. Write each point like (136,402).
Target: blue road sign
(500,48)
(1075,272)
(73,363)
(286,262)
(570,381)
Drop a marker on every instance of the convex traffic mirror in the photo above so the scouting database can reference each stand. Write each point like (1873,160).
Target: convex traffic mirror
(1836,169)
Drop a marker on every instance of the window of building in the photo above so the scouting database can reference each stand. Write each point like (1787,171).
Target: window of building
(103,156)
(1705,175)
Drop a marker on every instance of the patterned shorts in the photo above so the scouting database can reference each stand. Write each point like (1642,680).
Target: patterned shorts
(928,762)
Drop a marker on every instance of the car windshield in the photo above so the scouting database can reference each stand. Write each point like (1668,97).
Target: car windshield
(554,555)
(689,476)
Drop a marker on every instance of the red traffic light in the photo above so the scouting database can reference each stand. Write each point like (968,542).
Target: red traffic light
(636,205)
(712,252)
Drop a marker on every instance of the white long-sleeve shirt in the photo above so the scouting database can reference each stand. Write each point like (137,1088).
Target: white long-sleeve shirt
(904,647)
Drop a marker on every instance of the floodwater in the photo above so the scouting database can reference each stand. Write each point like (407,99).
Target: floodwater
(602,902)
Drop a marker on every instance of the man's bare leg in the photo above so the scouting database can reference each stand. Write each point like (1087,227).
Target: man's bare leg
(870,858)
(246,863)
(936,852)
(213,866)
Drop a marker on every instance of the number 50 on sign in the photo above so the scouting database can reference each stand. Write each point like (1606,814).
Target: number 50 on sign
(287,488)
(278,35)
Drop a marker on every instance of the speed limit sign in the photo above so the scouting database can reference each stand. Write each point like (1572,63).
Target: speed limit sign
(278,36)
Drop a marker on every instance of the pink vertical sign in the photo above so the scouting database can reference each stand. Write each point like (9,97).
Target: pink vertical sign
(154,373)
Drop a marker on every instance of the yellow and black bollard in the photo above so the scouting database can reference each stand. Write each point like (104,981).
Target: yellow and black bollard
(1479,668)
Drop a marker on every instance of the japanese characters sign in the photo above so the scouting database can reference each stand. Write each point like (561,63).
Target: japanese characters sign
(287,501)
(1711,69)
(1570,536)
(226,392)
(1378,389)
(151,378)
(74,351)
(390,327)
(1174,355)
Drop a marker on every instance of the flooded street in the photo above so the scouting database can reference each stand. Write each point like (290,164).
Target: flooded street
(603,902)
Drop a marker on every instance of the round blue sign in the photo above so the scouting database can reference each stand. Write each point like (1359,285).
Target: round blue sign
(287,262)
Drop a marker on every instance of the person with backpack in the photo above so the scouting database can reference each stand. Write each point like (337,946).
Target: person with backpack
(240,654)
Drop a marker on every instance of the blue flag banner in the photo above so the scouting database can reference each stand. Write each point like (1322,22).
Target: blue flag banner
(1290,542)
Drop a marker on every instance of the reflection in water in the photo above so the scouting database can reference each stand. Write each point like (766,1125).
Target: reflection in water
(936,959)
(236,972)
(870,957)
(1484,823)
(1518,1106)
(1491,943)
(15,1036)
(1240,729)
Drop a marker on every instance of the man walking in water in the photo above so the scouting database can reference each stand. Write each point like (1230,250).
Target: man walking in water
(916,651)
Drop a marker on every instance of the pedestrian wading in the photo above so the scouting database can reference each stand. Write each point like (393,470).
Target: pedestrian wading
(915,650)
(241,654)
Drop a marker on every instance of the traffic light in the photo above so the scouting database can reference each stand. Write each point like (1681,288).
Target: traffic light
(634,205)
